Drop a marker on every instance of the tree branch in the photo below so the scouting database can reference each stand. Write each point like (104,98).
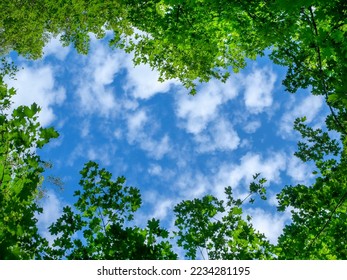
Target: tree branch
(342,199)
(320,66)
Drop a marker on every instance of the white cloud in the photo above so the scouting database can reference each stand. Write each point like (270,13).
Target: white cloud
(94,89)
(309,107)
(300,172)
(95,98)
(241,175)
(38,85)
(258,89)
(136,123)
(141,131)
(198,110)
(91,154)
(246,144)
(55,48)
(118,133)
(191,184)
(272,199)
(101,153)
(104,63)
(155,169)
(220,136)
(142,82)
(271,224)
(194,183)
(77,152)
(161,174)
(162,208)
(52,210)
(155,148)
(252,126)
(85,128)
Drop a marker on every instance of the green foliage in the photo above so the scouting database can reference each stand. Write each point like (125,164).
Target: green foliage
(193,41)
(97,228)
(220,229)
(188,40)
(20,175)
(22,27)
(168,33)
(196,40)
(319,219)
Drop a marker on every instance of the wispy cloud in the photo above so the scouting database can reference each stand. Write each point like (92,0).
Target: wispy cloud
(55,48)
(299,172)
(259,85)
(37,84)
(271,224)
(102,153)
(309,107)
(143,131)
(195,112)
(238,176)
(95,75)
(136,123)
(142,82)
(220,136)
(155,169)
(52,210)
(191,184)
(161,205)
(252,126)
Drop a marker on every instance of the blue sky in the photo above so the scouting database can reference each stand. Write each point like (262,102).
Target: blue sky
(170,145)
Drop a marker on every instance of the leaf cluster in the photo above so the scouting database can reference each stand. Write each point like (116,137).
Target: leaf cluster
(20,175)
(219,229)
(98,226)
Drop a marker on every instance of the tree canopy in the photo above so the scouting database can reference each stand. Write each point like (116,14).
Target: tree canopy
(103,208)
(193,41)
(20,175)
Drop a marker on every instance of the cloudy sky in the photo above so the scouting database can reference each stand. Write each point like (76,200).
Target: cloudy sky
(170,145)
